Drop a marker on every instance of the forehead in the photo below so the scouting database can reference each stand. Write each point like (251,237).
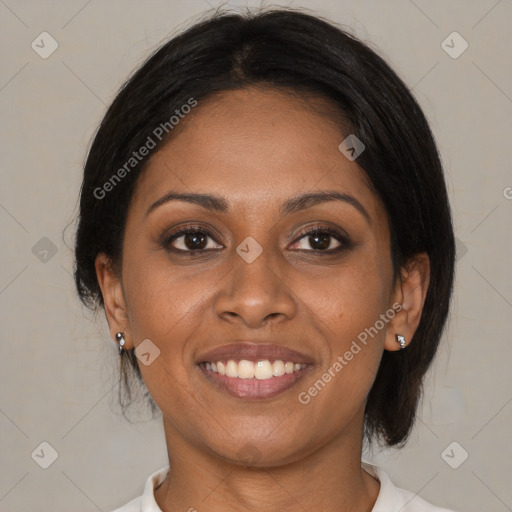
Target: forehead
(255,146)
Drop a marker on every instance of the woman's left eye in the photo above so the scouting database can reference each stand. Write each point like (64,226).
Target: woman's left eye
(323,240)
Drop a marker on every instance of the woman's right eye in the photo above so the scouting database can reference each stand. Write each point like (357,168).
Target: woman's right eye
(191,239)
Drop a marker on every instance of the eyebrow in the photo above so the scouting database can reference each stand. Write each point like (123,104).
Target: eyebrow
(292,205)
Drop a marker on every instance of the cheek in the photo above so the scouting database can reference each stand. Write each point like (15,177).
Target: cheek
(351,300)
(165,307)
(349,315)
(160,299)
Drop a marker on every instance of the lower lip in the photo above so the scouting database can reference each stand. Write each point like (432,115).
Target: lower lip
(255,389)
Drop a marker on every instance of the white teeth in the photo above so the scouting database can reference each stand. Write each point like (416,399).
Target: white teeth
(232,369)
(245,369)
(261,370)
(278,368)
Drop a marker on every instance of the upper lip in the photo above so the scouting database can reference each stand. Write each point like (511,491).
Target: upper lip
(253,352)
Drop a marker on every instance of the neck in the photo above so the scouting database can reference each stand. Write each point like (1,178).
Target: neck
(329,479)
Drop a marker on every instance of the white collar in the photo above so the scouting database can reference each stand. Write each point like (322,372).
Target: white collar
(148,502)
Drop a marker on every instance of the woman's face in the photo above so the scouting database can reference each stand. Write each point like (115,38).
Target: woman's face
(259,280)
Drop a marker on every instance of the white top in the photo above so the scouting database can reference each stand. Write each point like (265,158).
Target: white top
(390,498)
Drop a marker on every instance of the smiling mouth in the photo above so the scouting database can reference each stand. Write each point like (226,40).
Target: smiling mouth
(254,379)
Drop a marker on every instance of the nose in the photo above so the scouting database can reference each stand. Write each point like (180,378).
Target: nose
(256,293)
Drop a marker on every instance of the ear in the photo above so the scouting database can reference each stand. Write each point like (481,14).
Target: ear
(410,292)
(113,298)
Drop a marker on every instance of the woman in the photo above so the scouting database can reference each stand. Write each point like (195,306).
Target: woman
(264,220)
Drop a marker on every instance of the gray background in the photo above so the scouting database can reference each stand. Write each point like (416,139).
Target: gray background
(58,365)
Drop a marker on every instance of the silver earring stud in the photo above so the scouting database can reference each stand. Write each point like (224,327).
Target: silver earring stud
(120,339)
(401,339)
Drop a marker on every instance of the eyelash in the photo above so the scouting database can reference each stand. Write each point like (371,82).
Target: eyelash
(339,236)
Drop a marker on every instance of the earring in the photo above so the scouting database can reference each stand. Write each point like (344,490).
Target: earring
(401,339)
(121,341)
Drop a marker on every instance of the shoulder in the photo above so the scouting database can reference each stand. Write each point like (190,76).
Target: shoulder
(146,502)
(392,498)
